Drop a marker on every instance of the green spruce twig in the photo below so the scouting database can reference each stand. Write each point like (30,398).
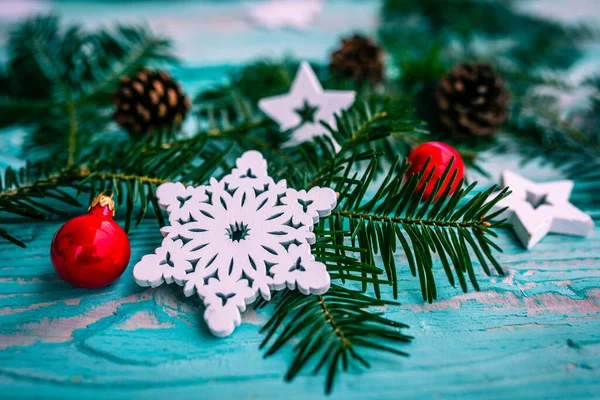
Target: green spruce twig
(331,331)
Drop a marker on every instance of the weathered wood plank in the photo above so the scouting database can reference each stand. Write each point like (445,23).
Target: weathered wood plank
(534,333)
(124,341)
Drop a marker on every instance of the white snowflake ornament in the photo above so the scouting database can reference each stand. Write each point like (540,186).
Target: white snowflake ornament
(306,105)
(236,238)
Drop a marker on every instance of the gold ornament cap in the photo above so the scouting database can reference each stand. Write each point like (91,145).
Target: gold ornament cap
(103,200)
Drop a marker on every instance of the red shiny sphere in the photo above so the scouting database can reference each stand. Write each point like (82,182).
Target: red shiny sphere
(441,154)
(90,251)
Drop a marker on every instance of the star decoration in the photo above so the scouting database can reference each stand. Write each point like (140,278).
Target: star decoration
(306,93)
(236,238)
(536,209)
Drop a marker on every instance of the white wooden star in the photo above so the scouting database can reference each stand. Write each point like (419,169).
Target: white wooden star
(305,105)
(536,209)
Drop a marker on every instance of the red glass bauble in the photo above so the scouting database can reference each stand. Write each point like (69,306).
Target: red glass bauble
(91,251)
(441,154)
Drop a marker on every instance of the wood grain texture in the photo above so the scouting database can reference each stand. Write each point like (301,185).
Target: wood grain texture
(534,333)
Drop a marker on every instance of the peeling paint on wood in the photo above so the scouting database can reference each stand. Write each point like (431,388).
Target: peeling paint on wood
(509,340)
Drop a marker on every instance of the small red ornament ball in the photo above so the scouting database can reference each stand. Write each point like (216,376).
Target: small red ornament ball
(91,251)
(441,154)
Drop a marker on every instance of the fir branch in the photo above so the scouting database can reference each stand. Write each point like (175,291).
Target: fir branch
(262,133)
(359,229)
(72,143)
(357,136)
(571,144)
(538,41)
(58,80)
(119,177)
(4,234)
(131,171)
(396,217)
(46,61)
(333,328)
(344,261)
(360,132)
(131,48)
(411,221)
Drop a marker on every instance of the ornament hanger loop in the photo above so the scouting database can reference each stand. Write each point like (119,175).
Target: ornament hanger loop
(104,200)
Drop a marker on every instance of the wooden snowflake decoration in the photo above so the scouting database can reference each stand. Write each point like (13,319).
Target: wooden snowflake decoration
(232,239)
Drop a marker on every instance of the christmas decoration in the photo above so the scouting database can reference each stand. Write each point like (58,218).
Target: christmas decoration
(439,155)
(377,221)
(306,105)
(472,100)
(236,238)
(149,100)
(91,251)
(359,58)
(536,209)
(279,14)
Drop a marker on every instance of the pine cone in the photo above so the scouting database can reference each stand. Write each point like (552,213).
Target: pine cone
(359,58)
(149,100)
(472,100)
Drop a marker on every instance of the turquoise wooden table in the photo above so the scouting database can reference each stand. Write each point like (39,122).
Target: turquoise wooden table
(534,333)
